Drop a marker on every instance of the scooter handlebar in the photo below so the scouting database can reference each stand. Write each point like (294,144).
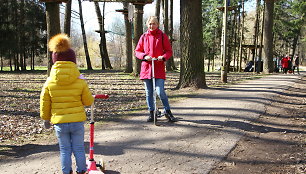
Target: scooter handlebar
(101,96)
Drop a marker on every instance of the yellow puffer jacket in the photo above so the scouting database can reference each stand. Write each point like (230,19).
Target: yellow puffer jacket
(64,95)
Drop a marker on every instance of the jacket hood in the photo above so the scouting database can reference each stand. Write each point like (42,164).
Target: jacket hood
(64,72)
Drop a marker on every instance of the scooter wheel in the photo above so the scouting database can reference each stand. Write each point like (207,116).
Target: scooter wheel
(101,165)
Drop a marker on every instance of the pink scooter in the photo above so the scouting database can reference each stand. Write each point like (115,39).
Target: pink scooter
(92,166)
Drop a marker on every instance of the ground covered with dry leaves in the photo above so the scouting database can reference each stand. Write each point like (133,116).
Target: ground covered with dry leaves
(19,98)
(275,146)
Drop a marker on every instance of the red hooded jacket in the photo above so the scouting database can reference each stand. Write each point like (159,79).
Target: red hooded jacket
(153,43)
(285,62)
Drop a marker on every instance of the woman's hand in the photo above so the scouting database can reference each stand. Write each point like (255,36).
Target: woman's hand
(160,58)
(148,58)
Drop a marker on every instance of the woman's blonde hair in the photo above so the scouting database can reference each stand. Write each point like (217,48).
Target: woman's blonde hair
(153,19)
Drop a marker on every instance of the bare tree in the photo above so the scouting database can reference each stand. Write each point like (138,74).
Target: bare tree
(89,67)
(103,49)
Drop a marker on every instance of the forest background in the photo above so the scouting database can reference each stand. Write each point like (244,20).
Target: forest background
(26,27)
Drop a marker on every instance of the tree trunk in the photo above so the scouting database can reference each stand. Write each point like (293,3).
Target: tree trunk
(67,22)
(256,29)
(128,40)
(224,45)
(166,16)
(294,44)
(192,60)
(105,52)
(241,37)
(22,53)
(268,37)
(259,68)
(101,29)
(170,63)
(157,9)
(138,30)
(89,67)
(53,27)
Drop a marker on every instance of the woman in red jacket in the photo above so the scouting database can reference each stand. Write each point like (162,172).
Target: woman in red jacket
(285,64)
(154,44)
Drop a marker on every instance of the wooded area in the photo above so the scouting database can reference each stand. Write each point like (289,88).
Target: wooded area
(272,30)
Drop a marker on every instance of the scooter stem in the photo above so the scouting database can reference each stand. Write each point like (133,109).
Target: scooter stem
(154,90)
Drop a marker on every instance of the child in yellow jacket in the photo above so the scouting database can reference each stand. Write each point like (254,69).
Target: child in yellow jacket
(62,102)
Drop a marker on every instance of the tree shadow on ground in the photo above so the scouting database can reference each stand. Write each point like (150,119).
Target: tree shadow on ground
(26,150)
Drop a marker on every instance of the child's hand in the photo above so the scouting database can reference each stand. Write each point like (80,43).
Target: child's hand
(81,76)
(47,124)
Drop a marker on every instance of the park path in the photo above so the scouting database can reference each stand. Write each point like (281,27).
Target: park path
(211,123)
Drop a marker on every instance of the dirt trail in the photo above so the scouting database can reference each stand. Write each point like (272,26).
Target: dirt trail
(211,124)
(277,142)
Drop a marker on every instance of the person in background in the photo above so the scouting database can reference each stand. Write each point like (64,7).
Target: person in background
(62,101)
(154,44)
(285,64)
(296,64)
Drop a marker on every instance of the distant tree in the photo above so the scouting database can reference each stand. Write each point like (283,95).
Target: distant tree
(103,49)
(192,62)
(289,20)
(89,67)
(22,28)
(256,32)
(212,26)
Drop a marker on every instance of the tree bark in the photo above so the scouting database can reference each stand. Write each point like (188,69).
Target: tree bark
(22,53)
(157,9)
(53,27)
(294,44)
(268,37)
(192,60)
(67,22)
(224,45)
(138,30)
(128,40)
(241,37)
(104,47)
(259,68)
(170,63)
(101,29)
(255,37)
